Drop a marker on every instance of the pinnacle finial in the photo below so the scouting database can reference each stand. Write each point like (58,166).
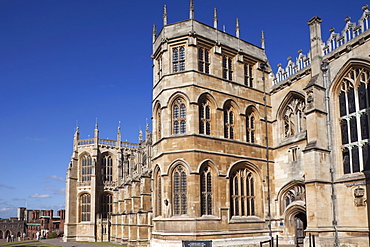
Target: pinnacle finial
(154,32)
(263,39)
(96,123)
(237,29)
(191,14)
(119,127)
(215,19)
(164,15)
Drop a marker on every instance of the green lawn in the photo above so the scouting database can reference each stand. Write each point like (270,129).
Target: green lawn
(27,244)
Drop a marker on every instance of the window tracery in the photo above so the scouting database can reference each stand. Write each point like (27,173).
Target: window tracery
(243,193)
(179,191)
(206,191)
(296,193)
(204,118)
(179,117)
(354,104)
(106,205)
(86,168)
(107,168)
(250,124)
(85,201)
(229,122)
(294,118)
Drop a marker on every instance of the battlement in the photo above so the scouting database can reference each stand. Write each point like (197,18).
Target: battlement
(335,40)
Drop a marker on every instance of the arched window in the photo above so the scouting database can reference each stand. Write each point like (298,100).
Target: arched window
(354,103)
(204,118)
(179,191)
(250,124)
(293,118)
(179,117)
(159,123)
(242,193)
(86,168)
(85,201)
(159,193)
(229,123)
(206,191)
(106,205)
(107,168)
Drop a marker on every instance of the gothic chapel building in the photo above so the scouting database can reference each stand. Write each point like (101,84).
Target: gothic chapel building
(236,155)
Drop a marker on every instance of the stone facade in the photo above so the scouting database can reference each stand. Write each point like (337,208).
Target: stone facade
(237,155)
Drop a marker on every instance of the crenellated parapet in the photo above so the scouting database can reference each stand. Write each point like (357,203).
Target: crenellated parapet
(335,40)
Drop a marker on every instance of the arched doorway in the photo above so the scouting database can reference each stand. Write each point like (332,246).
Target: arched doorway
(1,234)
(300,224)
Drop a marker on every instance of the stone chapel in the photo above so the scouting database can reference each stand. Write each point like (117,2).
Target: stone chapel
(236,154)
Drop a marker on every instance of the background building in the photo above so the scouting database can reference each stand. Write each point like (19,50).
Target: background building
(236,154)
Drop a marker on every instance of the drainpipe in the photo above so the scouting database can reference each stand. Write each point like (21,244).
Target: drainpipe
(263,67)
(325,70)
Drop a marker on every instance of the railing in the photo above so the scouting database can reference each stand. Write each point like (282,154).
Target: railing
(107,142)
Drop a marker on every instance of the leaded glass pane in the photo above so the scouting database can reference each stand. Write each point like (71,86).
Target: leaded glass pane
(362,96)
(182,111)
(364,126)
(342,104)
(231,133)
(176,127)
(201,127)
(208,128)
(346,161)
(355,159)
(208,113)
(175,112)
(365,154)
(344,130)
(183,127)
(175,55)
(351,100)
(353,129)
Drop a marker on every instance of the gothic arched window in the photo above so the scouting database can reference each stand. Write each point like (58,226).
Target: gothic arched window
(159,193)
(179,117)
(86,168)
(85,208)
(179,191)
(242,193)
(250,124)
(107,168)
(229,123)
(354,103)
(206,191)
(204,118)
(159,123)
(106,205)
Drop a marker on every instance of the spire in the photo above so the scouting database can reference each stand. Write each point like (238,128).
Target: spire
(263,39)
(237,29)
(215,19)
(191,14)
(154,32)
(164,15)
(224,28)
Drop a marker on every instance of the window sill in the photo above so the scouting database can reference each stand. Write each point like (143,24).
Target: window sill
(246,219)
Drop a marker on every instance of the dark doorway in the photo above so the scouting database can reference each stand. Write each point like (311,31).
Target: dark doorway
(300,223)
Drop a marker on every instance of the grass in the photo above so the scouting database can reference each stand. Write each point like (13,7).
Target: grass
(27,243)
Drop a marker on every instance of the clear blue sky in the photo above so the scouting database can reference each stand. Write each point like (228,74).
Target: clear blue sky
(63,61)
